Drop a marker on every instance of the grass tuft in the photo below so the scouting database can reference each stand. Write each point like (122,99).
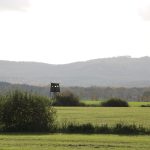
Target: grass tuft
(88,128)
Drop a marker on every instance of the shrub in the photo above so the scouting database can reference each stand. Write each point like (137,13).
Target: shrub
(148,105)
(103,129)
(67,99)
(25,112)
(115,102)
(88,128)
(121,128)
(70,127)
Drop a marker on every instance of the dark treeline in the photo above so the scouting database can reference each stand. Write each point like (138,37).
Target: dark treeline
(95,93)
(104,93)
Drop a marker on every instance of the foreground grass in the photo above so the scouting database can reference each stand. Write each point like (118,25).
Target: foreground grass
(73,142)
(105,115)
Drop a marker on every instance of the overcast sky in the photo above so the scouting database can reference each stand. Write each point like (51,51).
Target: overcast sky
(64,31)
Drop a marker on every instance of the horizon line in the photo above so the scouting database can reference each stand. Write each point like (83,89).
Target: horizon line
(80,61)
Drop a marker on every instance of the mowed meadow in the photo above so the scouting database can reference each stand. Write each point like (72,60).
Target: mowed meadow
(105,115)
(73,142)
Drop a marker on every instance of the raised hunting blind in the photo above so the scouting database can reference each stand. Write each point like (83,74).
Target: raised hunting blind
(54,89)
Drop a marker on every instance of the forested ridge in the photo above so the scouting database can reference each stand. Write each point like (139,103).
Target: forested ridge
(105,72)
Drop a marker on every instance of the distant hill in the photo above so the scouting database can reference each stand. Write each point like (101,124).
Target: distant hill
(117,71)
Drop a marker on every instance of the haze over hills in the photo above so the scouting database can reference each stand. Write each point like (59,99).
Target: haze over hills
(116,72)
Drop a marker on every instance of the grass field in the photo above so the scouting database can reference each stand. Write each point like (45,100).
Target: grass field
(138,104)
(105,115)
(73,142)
(91,102)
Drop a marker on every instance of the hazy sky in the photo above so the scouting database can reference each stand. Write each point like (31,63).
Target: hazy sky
(63,31)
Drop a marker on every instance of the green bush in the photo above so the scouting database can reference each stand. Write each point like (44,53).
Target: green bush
(83,128)
(71,127)
(103,129)
(88,128)
(121,128)
(67,99)
(115,102)
(25,112)
(148,105)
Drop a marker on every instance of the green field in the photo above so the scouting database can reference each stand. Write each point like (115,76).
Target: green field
(138,104)
(73,142)
(105,115)
(91,102)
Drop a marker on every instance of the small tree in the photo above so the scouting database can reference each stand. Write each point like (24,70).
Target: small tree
(67,99)
(25,112)
(115,102)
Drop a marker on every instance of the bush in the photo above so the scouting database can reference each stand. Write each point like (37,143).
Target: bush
(148,105)
(115,102)
(25,112)
(103,129)
(83,128)
(88,128)
(71,127)
(67,99)
(121,128)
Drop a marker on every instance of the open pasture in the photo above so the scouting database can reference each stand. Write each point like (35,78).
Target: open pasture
(105,115)
(73,142)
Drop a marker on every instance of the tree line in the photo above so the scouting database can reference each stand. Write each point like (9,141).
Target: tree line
(94,93)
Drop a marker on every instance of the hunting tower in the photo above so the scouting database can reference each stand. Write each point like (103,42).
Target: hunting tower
(54,89)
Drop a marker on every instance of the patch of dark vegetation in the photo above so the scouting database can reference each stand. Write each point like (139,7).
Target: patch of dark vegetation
(114,102)
(76,128)
(148,105)
(26,112)
(119,128)
(67,99)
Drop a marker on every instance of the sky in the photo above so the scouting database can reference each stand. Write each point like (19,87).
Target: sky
(59,32)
